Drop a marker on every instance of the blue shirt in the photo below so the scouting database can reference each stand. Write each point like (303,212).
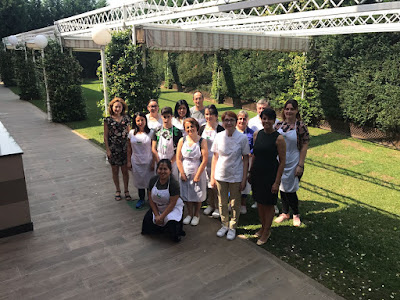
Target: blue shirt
(249,133)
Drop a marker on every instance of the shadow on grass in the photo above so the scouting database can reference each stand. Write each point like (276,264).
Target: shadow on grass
(350,247)
(326,138)
(353,174)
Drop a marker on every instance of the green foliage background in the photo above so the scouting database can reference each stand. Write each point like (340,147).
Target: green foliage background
(26,75)
(64,85)
(130,74)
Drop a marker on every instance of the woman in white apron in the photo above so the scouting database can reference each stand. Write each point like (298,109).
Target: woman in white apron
(140,158)
(296,137)
(166,207)
(191,159)
(180,114)
(154,120)
(208,132)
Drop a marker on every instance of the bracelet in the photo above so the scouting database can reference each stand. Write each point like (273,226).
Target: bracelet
(301,166)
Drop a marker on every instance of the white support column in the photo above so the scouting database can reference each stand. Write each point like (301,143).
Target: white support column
(49,115)
(104,75)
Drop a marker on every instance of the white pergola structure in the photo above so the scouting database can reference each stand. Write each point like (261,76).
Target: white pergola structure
(208,25)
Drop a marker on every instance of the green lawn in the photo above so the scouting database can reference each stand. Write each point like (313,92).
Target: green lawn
(350,206)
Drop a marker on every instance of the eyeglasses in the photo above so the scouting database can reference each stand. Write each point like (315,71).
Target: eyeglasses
(153,106)
(229,121)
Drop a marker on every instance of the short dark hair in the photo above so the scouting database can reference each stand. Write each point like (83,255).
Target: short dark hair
(229,114)
(212,110)
(179,103)
(191,121)
(269,113)
(166,111)
(135,127)
(165,161)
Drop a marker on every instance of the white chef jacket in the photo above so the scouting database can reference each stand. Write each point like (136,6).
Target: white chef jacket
(230,150)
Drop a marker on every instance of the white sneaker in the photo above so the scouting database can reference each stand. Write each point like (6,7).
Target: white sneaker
(243,210)
(208,210)
(215,214)
(187,220)
(254,205)
(276,210)
(222,231)
(231,234)
(195,221)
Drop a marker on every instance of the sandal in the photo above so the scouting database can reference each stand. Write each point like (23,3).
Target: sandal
(127,196)
(118,196)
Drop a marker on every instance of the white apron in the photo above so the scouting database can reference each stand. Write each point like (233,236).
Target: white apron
(192,191)
(290,183)
(161,200)
(165,149)
(154,124)
(209,136)
(141,159)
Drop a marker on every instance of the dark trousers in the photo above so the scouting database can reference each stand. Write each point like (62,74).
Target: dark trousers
(290,200)
(142,193)
(173,228)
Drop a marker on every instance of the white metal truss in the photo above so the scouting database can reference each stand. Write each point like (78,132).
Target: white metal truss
(265,17)
(270,17)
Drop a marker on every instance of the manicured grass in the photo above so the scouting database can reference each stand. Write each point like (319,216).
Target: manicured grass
(350,208)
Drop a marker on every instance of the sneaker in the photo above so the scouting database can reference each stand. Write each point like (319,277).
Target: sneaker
(276,210)
(208,210)
(254,205)
(296,220)
(243,210)
(281,218)
(140,203)
(222,231)
(195,221)
(215,214)
(231,234)
(187,220)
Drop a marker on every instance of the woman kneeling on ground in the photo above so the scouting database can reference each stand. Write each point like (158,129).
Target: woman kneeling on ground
(166,208)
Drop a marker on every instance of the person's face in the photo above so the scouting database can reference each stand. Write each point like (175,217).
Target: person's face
(267,123)
(242,121)
(290,112)
(152,107)
(163,171)
(182,110)
(198,99)
(209,117)
(190,129)
(229,123)
(140,122)
(117,108)
(167,119)
(260,108)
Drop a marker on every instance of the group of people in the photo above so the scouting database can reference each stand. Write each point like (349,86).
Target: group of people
(186,156)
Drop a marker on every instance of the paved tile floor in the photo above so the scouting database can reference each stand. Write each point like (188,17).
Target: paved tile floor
(87,246)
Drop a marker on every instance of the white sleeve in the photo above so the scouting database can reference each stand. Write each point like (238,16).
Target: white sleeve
(245,145)
(214,147)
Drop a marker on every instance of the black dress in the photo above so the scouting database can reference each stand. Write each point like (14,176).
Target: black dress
(118,140)
(264,168)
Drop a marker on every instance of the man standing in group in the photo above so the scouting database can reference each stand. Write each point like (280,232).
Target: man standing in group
(197,111)
(255,124)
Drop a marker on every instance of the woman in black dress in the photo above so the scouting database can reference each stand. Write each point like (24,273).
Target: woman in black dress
(116,130)
(266,171)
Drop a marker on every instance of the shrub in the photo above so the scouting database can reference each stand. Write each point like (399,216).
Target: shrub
(7,67)
(26,76)
(130,74)
(63,80)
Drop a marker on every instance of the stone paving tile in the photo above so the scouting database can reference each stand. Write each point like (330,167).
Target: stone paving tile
(88,246)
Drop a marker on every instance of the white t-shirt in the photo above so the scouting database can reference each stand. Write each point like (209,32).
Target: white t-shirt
(154,124)
(256,124)
(230,150)
(179,125)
